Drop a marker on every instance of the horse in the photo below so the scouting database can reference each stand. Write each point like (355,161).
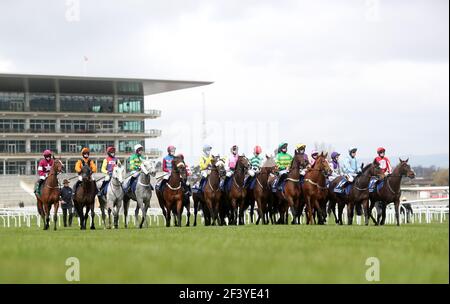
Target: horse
(390,192)
(85,197)
(233,199)
(209,200)
(114,197)
(262,192)
(290,196)
(359,193)
(50,195)
(142,195)
(314,189)
(171,197)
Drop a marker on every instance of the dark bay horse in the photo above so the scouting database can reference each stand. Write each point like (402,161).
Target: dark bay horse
(210,198)
(315,190)
(359,193)
(262,193)
(390,192)
(50,195)
(291,194)
(85,198)
(236,196)
(171,197)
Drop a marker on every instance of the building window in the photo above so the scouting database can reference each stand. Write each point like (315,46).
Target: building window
(131,104)
(75,146)
(42,126)
(12,146)
(12,125)
(16,167)
(130,88)
(14,102)
(42,103)
(87,103)
(87,126)
(131,126)
(127,146)
(38,146)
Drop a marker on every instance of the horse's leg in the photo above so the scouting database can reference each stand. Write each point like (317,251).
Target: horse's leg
(196,201)
(365,205)
(350,210)
(260,210)
(125,212)
(93,216)
(179,210)
(109,218)
(379,212)
(102,209)
(372,204)
(168,214)
(139,206)
(397,211)
(187,205)
(383,213)
(320,218)
(144,215)
(55,214)
(46,216)
(341,206)
(242,207)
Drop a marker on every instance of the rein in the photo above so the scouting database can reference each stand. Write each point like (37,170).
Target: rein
(315,184)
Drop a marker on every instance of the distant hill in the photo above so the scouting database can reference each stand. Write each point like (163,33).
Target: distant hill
(437,160)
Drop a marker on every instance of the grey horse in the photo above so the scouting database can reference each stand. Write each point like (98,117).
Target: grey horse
(142,195)
(114,197)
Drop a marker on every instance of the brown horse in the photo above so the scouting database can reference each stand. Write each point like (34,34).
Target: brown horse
(390,192)
(210,198)
(262,193)
(359,193)
(291,194)
(85,198)
(171,198)
(235,197)
(314,189)
(50,195)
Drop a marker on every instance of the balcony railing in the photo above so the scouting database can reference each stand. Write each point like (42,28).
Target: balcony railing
(150,132)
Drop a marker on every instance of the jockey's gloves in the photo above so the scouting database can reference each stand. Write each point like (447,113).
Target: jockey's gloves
(107,178)
(204,173)
(229,173)
(251,172)
(42,177)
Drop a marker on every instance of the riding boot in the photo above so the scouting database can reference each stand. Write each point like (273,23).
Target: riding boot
(75,187)
(280,182)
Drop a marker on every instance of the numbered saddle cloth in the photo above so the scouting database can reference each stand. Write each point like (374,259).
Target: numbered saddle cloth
(373,186)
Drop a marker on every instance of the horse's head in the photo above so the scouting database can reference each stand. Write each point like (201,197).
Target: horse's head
(148,166)
(270,165)
(243,163)
(58,166)
(299,161)
(372,169)
(179,167)
(219,164)
(119,172)
(322,164)
(404,169)
(86,172)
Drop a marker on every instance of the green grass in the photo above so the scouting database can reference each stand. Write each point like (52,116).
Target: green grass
(416,253)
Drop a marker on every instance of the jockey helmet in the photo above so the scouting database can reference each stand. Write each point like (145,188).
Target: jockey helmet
(111,150)
(352,150)
(47,153)
(334,155)
(300,147)
(314,152)
(171,149)
(282,146)
(207,148)
(257,150)
(138,147)
(234,148)
(85,150)
(381,150)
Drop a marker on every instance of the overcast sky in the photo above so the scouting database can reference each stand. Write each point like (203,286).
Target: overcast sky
(348,73)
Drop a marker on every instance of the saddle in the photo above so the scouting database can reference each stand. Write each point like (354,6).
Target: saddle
(375,186)
(338,189)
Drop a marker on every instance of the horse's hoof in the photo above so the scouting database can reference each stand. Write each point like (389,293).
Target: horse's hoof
(92,228)
(187,225)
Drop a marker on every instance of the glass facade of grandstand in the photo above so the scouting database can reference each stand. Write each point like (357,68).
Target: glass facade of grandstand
(65,115)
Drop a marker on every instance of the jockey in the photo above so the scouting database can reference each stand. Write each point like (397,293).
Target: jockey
(385,163)
(135,165)
(350,166)
(205,163)
(167,165)
(283,161)
(44,167)
(300,150)
(84,161)
(257,160)
(335,166)
(232,162)
(314,155)
(108,166)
